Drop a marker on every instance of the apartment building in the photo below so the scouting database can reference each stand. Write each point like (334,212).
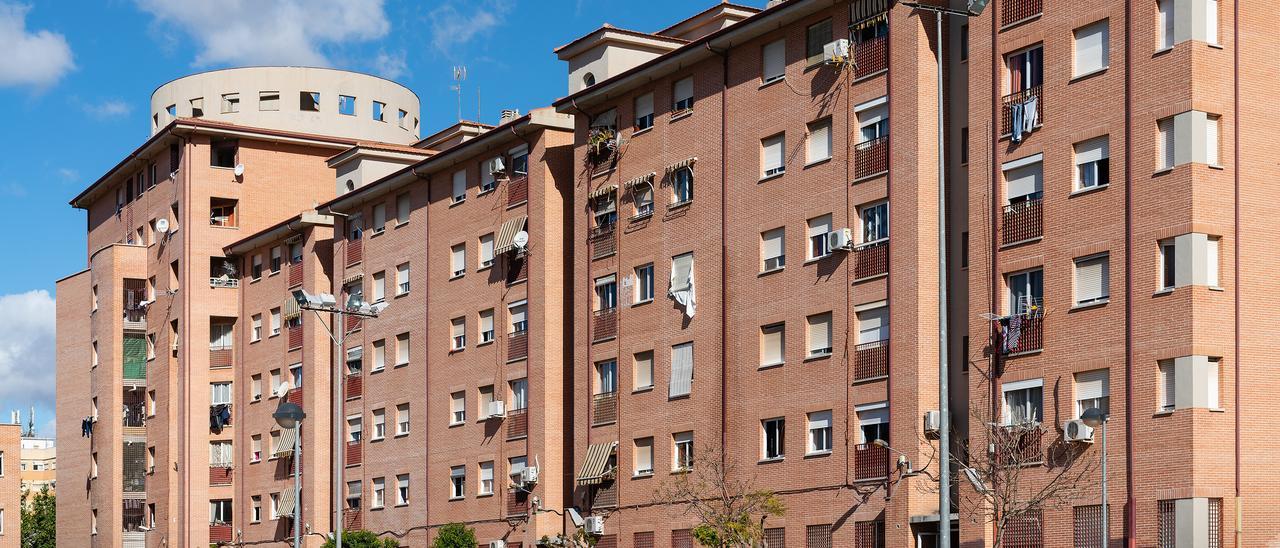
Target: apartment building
(10,486)
(143,403)
(38,467)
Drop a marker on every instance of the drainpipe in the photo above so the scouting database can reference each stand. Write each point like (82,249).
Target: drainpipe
(1235,109)
(1130,526)
(993,296)
(426,314)
(724,250)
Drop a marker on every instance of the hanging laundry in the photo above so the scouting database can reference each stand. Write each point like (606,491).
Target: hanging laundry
(219,416)
(1013,333)
(86,427)
(1016,125)
(1030,114)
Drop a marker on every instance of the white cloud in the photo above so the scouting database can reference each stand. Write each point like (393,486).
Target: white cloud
(276,32)
(452,27)
(27,361)
(109,108)
(390,65)
(68,174)
(38,58)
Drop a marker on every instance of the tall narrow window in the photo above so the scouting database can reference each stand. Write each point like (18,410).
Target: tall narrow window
(459,186)
(819,432)
(458,332)
(379,111)
(486,479)
(486,251)
(1212,129)
(875,222)
(644,112)
(772,344)
(402,279)
(643,456)
(519,320)
(682,95)
(519,394)
(682,185)
(402,419)
(818,229)
(379,288)
(607,377)
(606,293)
(486,326)
(1168,264)
(402,349)
(379,356)
(1093,279)
(1168,390)
(458,408)
(873,422)
(379,218)
(1026,291)
(402,209)
(644,283)
(458,260)
(643,370)
(774,438)
(682,451)
(1165,23)
(819,141)
(457,482)
(873,119)
(1091,48)
(1168,148)
(772,250)
(819,326)
(681,370)
(1092,163)
(774,66)
(772,161)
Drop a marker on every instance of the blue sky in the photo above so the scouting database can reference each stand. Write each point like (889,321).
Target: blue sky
(76,79)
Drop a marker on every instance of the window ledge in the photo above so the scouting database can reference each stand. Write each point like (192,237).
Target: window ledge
(453,424)
(483,192)
(478,345)
(371,440)
(1218,167)
(816,454)
(484,268)
(682,114)
(483,495)
(771,271)
(639,303)
(812,260)
(640,217)
(375,508)
(817,162)
(463,275)
(1217,410)
(642,475)
(1085,75)
(1087,190)
(1163,413)
(815,357)
(771,461)
(457,202)
(1086,306)
(1163,170)
(679,205)
(1164,291)
(772,177)
(400,224)
(1213,45)
(1216,288)
(642,389)
(451,499)
(638,132)
(773,365)
(375,233)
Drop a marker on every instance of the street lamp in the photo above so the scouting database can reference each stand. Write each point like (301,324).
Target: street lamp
(1097,418)
(355,306)
(289,415)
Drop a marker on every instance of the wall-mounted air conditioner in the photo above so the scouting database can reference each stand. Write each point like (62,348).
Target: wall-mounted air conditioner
(497,409)
(840,239)
(836,52)
(932,423)
(1077,431)
(593,525)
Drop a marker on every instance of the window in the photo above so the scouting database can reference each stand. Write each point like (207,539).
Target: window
(457,482)
(875,222)
(379,356)
(607,377)
(255,385)
(401,118)
(1209,382)
(275,321)
(275,505)
(220,335)
(402,349)
(819,432)
(402,279)
(682,95)
(1092,163)
(256,269)
(1023,402)
(1024,179)
(964,42)
(1168,264)
(171,111)
(355,489)
(1212,152)
(255,515)
(873,422)
(488,180)
(1165,26)
(520,160)
(276,260)
(1026,291)
(379,424)
(643,197)
(1168,148)
(379,288)
(402,419)
(230,103)
(519,321)
(379,218)
(1093,391)
(606,289)
(644,112)
(458,406)
(486,326)
(819,142)
(964,145)
(1211,21)
(1168,388)
(402,489)
(818,229)
(458,332)
(346,105)
(682,185)
(681,370)
(309,101)
(275,382)
(220,454)
(255,448)
(644,283)
(1026,69)
(772,250)
(220,511)
(816,37)
(379,111)
(197,110)
(819,334)
(222,153)
(771,155)
(355,429)
(268,100)
(774,434)
(775,61)
(402,209)
(682,451)
(642,456)
(459,186)
(1091,48)
(379,493)
(519,394)
(516,467)
(1093,279)
(219,393)
(486,479)
(772,344)
(486,251)
(458,260)
(642,376)
(873,325)
(1212,245)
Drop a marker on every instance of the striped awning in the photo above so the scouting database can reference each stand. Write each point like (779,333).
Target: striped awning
(285,448)
(646,178)
(602,191)
(596,463)
(287,503)
(291,308)
(683,163)
(507,234)
(352,276)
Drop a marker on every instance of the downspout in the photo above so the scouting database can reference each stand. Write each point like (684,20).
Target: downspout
(589,323)
(528,211)
(724,250)
(184,283)
(1130,525)
(426,321)
(993,137)
(1235,109)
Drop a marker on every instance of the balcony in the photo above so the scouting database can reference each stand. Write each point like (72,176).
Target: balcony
(134,416)
(517,424)
(871,57)
(352,520)
(352,323)
(518,190)
(354,454)
(517,346)
(1019,98)
(220,357)
(606,495)
(1018,445)
(870,461)
(224,281)
(871,158)
(871,360)
(295,396)
(604,324)
(517,504)
(1016,11)
(871,260)
(295,274)
(295,336)
(1029,335)
(1022,222)
(604,409)
(220,533)
(603,240)
(219,474)
(355,251)
(354,386)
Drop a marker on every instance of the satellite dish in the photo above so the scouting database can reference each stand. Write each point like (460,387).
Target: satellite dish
(521,239)
(283,389)
(239,170)
(162,225)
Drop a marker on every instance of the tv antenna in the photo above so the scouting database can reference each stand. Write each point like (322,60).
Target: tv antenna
(459,75)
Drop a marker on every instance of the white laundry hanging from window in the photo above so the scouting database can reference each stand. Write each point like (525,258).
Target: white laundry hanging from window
(682,289)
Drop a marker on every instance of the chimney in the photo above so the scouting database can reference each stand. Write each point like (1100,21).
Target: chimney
(508,114)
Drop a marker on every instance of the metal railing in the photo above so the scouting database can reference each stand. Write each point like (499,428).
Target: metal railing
(354,386)
(871,56)
(517,423)
(518,345)
(220,357)
(1021,97)
(1014,11)
(870,461)
(603,240)
(1030,335)
(871,157)
(604,408)
(604,324)
(517,190)
(871,360)
(1018,444)
(871,260)
(1022,222)
(295,274)
(355,251)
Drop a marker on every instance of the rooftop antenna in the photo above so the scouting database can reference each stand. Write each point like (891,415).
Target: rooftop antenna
(459,75)
(31,423)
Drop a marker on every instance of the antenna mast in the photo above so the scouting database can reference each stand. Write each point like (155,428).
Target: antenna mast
(459,75)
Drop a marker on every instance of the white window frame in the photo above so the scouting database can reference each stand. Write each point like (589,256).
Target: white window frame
(457,482)
(773,249)
(819,428)
(773,61)
(642,446)
(1008,388)
(1084,383)
(459,186)
(1092,164)
(404,418)
(817,138)
(773,439)
(378,420)
(458,261)
(815,322)
(458,408)
(1086,39)
(816,231)
(773,156)
(484,484)
(1104,290)
(402,489)
(642,367)
(769,356)
(682,451)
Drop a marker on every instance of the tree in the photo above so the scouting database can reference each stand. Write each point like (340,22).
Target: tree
(39,519)
(455,535)
(731,511)
(363,539)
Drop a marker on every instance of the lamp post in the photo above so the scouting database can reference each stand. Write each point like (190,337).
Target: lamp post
(289,415)
(1095,418)
(355,306)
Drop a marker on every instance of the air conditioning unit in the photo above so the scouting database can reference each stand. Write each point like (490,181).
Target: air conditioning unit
(496,166)
(497,409)
(836,52)
(840,239)
(593,525)
(1077,431)
(529,476)
(497,544)
(932,422)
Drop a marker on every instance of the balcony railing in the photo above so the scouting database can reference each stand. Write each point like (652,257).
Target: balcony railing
(220,533)
(354,453)
(603,241)
(871,157)
(871,360)
(295,274)
(224,281)
(219,474)
(352,323)
(517,423)
(604,408)
(352,520)
(870,461)
(605,324)
(1013,11)
(134,416)
(1019,444)
(517,504)
(518,346)
(871,56)
(295,396)
(1022,222)
(355,251)
(295,336)
(606,495)
(354,386)
(871,260)
(518,190)
(1019,98)
(1030,335)
(220,357)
